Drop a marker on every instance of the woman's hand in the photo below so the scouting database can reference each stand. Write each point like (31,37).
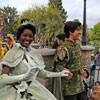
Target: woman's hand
(67,73)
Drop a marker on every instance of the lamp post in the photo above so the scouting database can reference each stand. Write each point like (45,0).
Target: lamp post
(84,25)
(43,25)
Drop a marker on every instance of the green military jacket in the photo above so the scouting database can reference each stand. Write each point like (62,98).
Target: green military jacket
(69,56)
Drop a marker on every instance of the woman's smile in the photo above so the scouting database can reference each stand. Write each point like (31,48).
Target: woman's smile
(26,38)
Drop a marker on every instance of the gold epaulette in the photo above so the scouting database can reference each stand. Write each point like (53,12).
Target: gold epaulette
(62,53)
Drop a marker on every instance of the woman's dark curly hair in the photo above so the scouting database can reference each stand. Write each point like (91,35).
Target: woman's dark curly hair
(23,27)
(70,26)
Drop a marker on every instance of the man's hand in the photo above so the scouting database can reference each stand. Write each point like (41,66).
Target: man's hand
(69,75)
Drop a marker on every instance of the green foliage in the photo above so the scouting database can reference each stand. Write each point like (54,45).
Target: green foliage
(97,31)
(10,18)
(94,35)
(76,20)
(96,49)
(57,4)
(48,15)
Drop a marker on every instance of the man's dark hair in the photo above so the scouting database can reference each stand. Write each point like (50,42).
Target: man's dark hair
(70,26)
(61,37)
(55,45)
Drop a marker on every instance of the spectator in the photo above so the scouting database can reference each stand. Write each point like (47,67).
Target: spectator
(2,51)
(92,74)
(84,76)
(95,95)
(97,57)
(57,81)
(10,42)
(59,41)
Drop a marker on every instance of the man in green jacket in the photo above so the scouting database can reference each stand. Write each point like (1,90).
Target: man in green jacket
(69,56)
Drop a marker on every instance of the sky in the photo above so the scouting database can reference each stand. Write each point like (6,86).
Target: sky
(74,8)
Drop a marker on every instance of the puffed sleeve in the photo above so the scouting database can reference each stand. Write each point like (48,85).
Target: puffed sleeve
(62,57)
(62,54)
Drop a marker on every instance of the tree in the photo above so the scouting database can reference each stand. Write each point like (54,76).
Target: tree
(96,34)
(47,15)
(57,4)
(90,36)
(76,20)
(10,17)
(97,31)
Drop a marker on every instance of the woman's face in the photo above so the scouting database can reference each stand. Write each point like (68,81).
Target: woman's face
(26,38)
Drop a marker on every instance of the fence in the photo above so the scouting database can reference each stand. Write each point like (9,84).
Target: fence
(97,74)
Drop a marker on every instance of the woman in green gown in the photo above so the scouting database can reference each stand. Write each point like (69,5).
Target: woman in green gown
(19,69)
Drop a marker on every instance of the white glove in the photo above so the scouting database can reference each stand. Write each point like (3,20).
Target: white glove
(64,73)
(46,73)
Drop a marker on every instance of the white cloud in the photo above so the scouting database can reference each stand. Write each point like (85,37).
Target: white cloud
(93,13)
(22,4)
(74,8)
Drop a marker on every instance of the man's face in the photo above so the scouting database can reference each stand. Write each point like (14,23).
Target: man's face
(59,41)
(84,74)
(76,34)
